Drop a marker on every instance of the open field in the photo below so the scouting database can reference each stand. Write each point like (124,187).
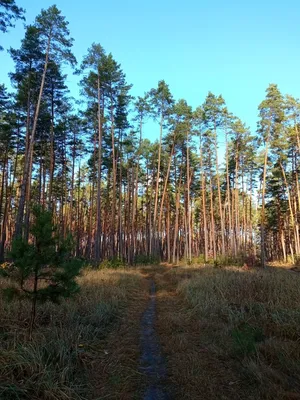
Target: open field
(225,333)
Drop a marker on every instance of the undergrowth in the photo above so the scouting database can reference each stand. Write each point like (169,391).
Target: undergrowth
(138,260)
(253,317)
(55,364)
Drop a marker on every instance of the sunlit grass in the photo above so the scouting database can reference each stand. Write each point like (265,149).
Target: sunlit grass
(54,365)
(252,317)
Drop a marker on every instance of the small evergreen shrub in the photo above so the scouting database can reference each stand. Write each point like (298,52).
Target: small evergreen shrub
(144,259)
(113,263)
(43,270)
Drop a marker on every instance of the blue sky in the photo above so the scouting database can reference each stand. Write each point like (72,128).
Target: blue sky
(234,48)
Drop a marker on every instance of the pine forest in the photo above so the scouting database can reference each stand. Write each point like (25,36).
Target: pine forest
(149,248)
(208,188)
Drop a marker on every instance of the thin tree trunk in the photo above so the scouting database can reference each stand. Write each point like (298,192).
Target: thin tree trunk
(262,219)
(176,226)
(189,229)
(297,245)
(155,231)
(52,154)
(98,217)
(114,199)
(219,196)
(165,188)
(203,198)
(28,158)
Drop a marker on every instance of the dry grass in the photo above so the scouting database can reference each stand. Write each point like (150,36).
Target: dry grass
(116,373)
(249,325)
(56,364)
(226,334)
(195,371)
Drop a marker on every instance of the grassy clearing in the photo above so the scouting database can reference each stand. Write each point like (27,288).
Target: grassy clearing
(250,322)
(55,365)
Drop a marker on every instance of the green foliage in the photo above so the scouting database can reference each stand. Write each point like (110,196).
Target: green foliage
(221,261)
(43,270)
(271,112)
(139,259)
(53,29)
(9,13)
(113,263)
(217,264)
(143,259)
(237,261)
(245,339)
(199,260)
(297,260)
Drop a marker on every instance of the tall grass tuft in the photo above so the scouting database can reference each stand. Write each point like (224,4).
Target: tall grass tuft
(254,317)
(55,364)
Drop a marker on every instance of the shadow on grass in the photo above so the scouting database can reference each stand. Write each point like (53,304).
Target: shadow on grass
(56,363)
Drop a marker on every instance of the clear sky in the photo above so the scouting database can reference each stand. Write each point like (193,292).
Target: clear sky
(230,47)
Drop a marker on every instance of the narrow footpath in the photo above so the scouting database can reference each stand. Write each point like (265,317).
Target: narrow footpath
(152,362)
(162,350)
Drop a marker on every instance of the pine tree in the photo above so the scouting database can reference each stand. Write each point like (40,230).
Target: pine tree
(56,43)
(44,269)
(8,139)
(161,102)
(271,112)
(92,87)
(9,13)
(214,112)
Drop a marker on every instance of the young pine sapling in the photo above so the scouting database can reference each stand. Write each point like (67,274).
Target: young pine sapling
(43,270)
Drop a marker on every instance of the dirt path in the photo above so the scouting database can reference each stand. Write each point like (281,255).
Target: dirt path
(114,371)
(161,350)
(129,364)
(152,362)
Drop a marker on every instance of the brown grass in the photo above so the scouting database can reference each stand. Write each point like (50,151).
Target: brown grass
(226,333)
(57,363)
(231,334)
(115,374)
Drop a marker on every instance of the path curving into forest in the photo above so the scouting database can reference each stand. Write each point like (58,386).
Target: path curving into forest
(152,362)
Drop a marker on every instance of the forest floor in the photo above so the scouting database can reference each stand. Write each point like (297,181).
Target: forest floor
(161,332)
(206,333)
